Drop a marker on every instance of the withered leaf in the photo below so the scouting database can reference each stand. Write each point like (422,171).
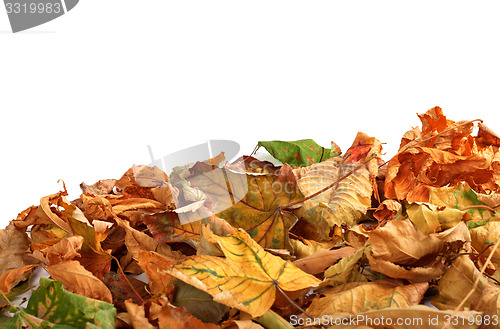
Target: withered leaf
(253,202)
(14,262)
(77,279)
(358,297)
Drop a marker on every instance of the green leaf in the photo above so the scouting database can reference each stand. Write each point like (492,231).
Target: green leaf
(53,307)
(300,153)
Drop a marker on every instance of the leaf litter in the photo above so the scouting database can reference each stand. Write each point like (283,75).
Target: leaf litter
(325,239)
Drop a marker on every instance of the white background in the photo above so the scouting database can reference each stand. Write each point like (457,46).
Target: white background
(82,96)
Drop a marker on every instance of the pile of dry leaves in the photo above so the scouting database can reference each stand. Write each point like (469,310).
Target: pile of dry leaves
(325,239)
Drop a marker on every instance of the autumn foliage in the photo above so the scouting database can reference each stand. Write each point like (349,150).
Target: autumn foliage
(327,239)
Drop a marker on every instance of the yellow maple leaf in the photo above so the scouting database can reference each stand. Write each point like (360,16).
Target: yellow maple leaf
(246,278)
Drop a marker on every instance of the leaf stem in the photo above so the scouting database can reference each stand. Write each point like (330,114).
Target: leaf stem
(130,284)
(8,301)
(292,302)
(479,206)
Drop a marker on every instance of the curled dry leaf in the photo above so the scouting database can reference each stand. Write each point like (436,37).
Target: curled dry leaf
(400,250)
(66,249)
(387,210)
(104,186)
(360,297)
(347,202)
(15,264)
(318,262)
(444,154)
(77,279)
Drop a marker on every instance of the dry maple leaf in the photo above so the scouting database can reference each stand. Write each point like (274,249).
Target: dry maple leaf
(253,202)
(246,279)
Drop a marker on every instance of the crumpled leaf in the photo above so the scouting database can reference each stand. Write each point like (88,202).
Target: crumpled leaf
(297,153)
(104,186)
(14,262)
(107,207)
(247,279)
(387,210)
(358,297)
(142,176)
(400,250)
(443,154)
(347,202)
(137,241)
(53,307)
(66,249)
